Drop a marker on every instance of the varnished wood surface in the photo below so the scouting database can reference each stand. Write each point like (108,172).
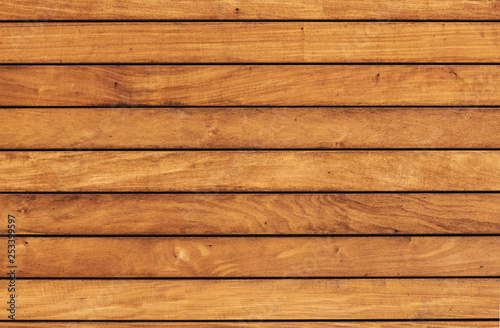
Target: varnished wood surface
(254,128)
(251,96)
(250,42)
(252,10)
(250,85)
(257,257)
(257,299)
(253,214)
(203,171)
(256,324)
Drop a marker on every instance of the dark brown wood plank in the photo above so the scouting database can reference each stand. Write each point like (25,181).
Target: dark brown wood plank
(250,42)
(250,85)
(233,214)
(240,128)
(250,9)
(169,257)
(205,171)
(256,299)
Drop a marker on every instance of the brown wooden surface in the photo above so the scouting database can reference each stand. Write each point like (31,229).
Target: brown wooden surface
(253,9)
(249,42)
(239,128)
(235,105)
(257,299)
(257,257)
(250,85)
(232,214)
(256,324)
(217,171)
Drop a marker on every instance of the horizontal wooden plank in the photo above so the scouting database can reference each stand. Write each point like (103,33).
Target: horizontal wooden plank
(249,42)
(256,299)
(257,324)
(233,214)
(167,257)
(205,171)
(250,85)
(250,9)
(254,128)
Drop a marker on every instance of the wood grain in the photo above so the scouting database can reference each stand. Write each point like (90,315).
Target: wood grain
(249,42)
(257,324)
(250,77)
(205,171)
(250,85)
(249,9)
(248,128)
(256,299)
(265,214)
(167,257)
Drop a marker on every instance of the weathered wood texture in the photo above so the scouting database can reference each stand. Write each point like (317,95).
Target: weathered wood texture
(203,257)
(233,214)
(250,128)
(249,9)
(256,324)
(249,171)
(257,299)
(249,42)
(252,85)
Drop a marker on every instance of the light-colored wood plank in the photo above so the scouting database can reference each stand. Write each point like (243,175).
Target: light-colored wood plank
(256,299)
(249,42)
(180,257)
(252,85)
(296,324)
(232,214)
(254,128)
(249,9)
(217,171)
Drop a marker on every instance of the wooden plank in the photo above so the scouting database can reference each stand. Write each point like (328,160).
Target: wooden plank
(179,257)
(249,42)
(288,324)
(251,324)
(205,171)
(256,299)
(250,85)
(254,128)
(250,9)
(238,324)
(265,214)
